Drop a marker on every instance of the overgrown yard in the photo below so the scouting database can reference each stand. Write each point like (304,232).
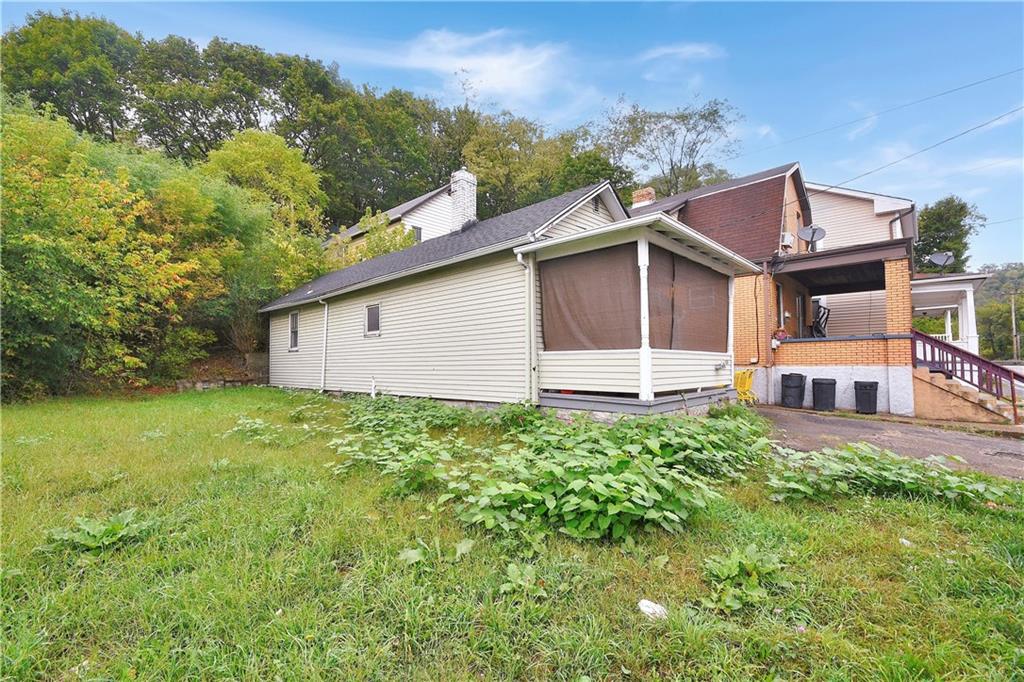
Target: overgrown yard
(285,535)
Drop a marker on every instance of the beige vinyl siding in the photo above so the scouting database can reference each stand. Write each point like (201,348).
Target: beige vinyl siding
(848,220)
(609,371)
(681,370)
(859,313)
(298,368)
(583,218)
(433,217)
(456,333)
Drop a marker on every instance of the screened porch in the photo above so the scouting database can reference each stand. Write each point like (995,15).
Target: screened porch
(636,316)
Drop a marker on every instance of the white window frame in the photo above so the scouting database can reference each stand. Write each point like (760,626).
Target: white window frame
(293,322)
(366,320)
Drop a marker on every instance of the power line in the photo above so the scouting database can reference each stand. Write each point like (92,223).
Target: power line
(879,168)
(876,114)
(1000,222)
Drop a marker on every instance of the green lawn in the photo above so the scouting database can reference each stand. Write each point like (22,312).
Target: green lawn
(264,564)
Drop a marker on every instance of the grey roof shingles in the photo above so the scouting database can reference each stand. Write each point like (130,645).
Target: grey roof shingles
(669,204)
(506,227)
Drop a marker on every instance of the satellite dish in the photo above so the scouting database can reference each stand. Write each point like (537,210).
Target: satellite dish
(942,258)
(812,233)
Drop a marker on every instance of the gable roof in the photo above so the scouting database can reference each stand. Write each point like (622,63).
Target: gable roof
(511,228)
(672,203)
(743,214)
(396,212)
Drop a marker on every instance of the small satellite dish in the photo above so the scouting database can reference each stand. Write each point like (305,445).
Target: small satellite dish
(942,258)
(812,233)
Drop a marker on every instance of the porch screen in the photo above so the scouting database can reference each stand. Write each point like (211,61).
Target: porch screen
(689,304)
(591,301)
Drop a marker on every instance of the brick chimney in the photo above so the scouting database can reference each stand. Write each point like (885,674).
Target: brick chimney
(642,197)
(463,193)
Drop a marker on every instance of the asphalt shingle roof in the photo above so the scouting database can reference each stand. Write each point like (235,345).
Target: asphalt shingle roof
(506,227)
(669,204)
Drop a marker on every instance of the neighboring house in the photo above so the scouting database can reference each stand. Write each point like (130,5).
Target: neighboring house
(858,217)
(840,308)
(433,214)
(568,302)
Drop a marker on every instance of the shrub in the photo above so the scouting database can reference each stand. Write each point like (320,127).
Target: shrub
(861,468)
(739,578)
(94,535)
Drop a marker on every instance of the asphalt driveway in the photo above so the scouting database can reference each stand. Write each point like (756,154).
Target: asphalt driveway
(1002,456)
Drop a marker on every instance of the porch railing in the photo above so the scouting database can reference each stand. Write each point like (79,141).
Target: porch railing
(986,376)
(943,337)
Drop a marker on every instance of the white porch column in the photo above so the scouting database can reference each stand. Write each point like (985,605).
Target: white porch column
(969,324)
(646,380)
(949,325)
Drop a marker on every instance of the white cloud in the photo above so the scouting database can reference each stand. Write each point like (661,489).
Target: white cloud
(494,65)
(867,125)
(1005,120)
(683,52)
(765,131)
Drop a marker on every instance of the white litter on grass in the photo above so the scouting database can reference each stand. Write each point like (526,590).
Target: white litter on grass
(652,610)
(906,543)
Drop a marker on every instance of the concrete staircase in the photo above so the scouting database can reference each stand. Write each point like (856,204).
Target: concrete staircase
(939,397)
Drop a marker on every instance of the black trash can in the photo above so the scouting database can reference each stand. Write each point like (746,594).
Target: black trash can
(823,392)
(793,390)
(867,396)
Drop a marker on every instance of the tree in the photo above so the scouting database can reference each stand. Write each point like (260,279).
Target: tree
(946,225)
(87,296)
(680,146)
(192,100)
(264,164)
(588,167)
(81,66)
(993,309)
(514,161)
(379,237)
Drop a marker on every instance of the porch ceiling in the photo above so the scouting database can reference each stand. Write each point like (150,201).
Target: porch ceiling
(845,270)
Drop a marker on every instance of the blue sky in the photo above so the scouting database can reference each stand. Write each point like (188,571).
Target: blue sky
(790,69)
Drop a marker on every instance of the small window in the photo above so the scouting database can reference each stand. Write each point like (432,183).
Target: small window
(779,305)
(293,331)
(372,326)
(417,233)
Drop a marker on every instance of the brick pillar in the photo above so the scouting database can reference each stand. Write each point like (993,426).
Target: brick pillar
(898,309)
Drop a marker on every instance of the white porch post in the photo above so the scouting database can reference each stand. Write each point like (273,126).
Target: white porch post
(969,324)
(729,343)
(646,380)
(949,325)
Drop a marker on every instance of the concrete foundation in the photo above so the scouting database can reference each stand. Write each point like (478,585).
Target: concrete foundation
(895,385)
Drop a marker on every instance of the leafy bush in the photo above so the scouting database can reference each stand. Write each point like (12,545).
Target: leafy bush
(739,579)
(256,431)
(861,468)
(591,480)
(387,414)
(94,535)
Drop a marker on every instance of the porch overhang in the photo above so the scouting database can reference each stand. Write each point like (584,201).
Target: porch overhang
(658,225)
(850,269)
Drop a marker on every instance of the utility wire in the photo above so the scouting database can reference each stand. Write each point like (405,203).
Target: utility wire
(876,114)
(879,168)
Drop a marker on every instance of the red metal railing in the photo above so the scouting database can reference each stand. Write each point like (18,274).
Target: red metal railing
(972,369)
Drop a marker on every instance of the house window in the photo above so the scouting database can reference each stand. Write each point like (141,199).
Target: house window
(372,324)
(417,233)
(293,331)
(780,309)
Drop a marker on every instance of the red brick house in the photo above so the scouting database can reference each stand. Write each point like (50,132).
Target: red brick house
(780,316)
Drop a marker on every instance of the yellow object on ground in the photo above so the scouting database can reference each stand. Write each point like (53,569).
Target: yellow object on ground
(744,383)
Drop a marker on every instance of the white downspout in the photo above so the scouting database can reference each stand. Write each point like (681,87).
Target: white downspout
(323,360)
(527,301)
(646,378)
